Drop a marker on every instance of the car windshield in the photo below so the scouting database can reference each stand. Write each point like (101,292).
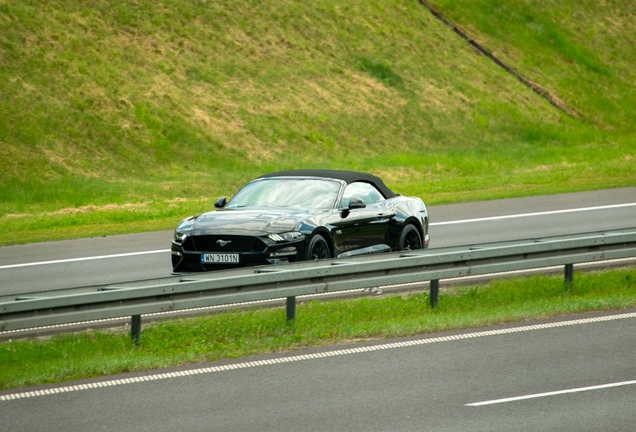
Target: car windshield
(311,194)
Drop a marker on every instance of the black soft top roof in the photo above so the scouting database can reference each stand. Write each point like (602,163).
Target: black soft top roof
(347,176)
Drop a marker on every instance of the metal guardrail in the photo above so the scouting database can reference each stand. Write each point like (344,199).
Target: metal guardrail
(310,277)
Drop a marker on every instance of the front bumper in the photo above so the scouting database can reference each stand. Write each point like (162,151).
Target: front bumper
(251,251)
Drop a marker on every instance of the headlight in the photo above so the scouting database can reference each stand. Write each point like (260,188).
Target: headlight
(288,236)
(179,237)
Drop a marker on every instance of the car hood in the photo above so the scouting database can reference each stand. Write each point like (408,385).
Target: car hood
(255,221)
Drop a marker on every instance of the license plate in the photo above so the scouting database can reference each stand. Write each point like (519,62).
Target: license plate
(220,258)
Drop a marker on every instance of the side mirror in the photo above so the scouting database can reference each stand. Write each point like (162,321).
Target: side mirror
(220,203)
(356,203)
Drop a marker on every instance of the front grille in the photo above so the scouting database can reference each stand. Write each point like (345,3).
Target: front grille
(211,243)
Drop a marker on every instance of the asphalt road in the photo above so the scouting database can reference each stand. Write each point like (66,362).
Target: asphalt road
(569,375)
(102,260)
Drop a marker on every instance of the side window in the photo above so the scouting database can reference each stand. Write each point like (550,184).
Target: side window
(366,191)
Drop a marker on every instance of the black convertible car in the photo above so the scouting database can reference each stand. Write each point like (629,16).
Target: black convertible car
(300,215)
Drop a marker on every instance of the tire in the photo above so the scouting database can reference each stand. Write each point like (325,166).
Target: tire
(318,248)
(410,238)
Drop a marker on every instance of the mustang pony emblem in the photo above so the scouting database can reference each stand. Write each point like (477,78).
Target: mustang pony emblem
(223,242)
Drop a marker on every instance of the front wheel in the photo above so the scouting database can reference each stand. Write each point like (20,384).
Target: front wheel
(318,249)
(410,239)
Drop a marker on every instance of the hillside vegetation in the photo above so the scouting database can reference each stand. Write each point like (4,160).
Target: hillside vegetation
(121,116)
(582,52)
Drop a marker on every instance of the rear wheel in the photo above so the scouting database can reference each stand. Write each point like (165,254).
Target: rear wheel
(410,238)
(318,248)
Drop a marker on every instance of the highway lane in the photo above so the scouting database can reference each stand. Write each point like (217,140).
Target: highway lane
(420,383)
(55,265)
(532,217)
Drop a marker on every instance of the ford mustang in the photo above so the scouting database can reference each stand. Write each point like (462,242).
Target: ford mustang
(300,215)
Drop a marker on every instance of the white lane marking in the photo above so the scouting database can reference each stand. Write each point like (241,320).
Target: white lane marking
(521,215)
(311,356)
(432,224)
(84,259)
(553,393)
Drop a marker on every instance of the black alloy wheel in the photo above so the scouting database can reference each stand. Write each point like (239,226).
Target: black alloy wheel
(410,238)
(318,248)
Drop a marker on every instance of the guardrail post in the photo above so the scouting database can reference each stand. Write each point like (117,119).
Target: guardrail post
(434,285)
(135,329)
(291,309)
(569,274)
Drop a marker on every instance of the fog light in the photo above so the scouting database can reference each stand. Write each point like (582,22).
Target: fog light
(288,251)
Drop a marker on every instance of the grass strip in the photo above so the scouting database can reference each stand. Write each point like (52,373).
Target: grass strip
(241,333)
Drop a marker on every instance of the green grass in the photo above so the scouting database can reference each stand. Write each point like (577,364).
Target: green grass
(121,116)
(580,52)
(245,332)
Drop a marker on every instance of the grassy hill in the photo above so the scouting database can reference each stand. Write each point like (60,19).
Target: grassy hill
(582,52)
(121,116)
